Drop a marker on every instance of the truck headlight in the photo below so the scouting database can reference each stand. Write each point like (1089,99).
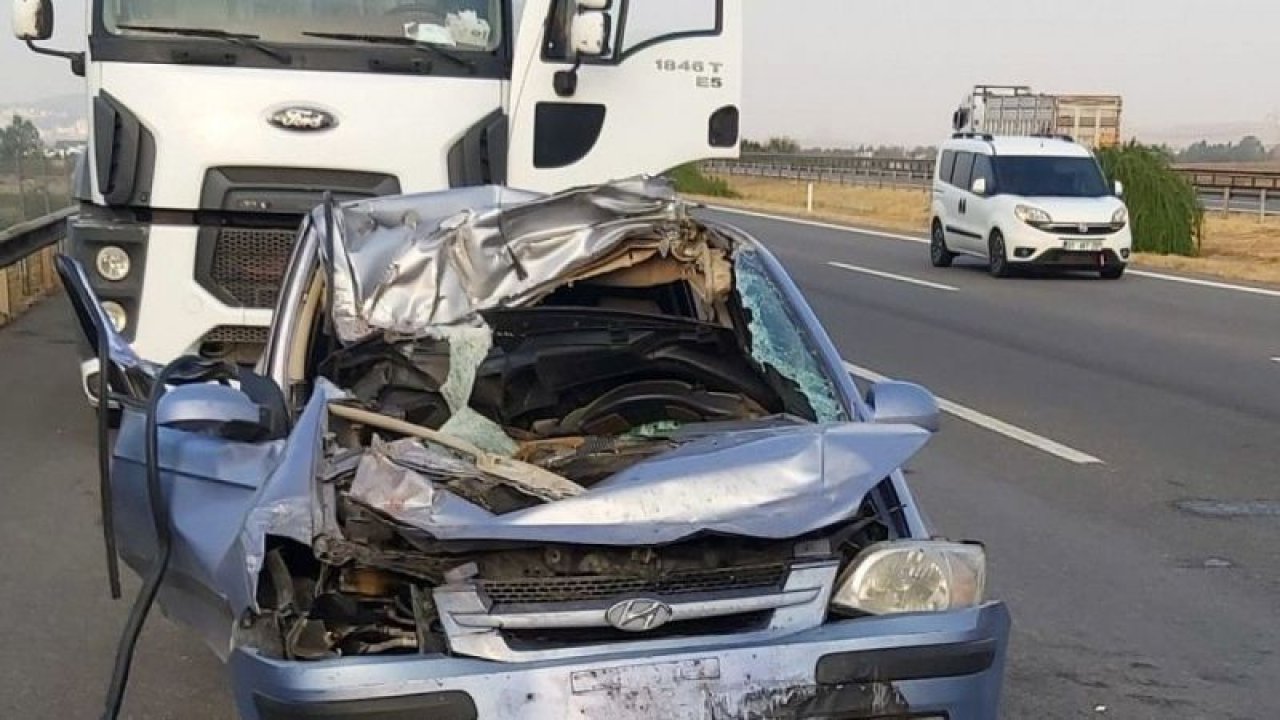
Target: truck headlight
(1120,219)
(116,312)
(113,263)
(913,576)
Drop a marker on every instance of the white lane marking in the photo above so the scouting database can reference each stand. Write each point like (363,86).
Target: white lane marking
(1206,283)
(925,241)
(1275,359)
(891,276)
(815,223)
(982,420)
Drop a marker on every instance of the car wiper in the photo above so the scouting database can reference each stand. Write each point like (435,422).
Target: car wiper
(241,39)
(399,41)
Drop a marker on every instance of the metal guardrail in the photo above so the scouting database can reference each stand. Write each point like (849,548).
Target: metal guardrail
(1244,191)
(26,262)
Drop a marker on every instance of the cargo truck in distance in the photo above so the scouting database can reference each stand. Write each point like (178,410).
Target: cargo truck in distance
(217,126)
(1091,120)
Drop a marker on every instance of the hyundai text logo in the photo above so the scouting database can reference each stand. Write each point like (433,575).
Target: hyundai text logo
(639,615)
(302,119)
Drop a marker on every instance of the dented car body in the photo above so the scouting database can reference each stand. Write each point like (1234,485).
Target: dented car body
(515,456)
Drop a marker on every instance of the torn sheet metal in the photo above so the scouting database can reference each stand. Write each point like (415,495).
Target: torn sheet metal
(771,484)
(410,264)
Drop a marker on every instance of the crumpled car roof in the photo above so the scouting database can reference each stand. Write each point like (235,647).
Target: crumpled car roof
(406,265)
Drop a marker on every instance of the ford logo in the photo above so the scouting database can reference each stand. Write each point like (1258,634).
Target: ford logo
(639,615)
(304,119)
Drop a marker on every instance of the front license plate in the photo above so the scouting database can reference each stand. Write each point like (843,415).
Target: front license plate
(1085,245)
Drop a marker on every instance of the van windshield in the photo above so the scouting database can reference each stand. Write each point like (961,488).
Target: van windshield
(1040,176)
(465,25)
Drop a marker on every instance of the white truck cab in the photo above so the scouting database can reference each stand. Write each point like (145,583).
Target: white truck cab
(217,124)
(1027,201)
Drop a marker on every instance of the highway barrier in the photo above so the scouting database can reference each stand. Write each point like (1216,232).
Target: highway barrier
(1221,188)
(26,262)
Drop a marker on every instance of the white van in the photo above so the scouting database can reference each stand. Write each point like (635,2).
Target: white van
(1023,201)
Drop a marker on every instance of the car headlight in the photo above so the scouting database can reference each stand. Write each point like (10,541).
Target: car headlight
(117,314)
(1032,215)
(913,576)
(113,263)
(1120,219)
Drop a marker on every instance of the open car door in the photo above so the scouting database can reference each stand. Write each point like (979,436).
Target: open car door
(608,89)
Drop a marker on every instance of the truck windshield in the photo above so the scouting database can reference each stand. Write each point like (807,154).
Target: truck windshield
(1040,176)
(464,25)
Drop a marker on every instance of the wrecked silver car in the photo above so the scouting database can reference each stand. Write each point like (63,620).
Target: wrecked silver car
(512,456)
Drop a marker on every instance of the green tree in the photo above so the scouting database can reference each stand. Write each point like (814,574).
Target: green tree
(19,141)
(1164,211)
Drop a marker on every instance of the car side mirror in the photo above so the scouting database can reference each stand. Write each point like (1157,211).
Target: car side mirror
(979,186)
(899,403)
(1119,189)
(33,19)
(213,409)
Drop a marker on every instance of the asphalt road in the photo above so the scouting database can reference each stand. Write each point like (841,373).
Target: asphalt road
(1125,605)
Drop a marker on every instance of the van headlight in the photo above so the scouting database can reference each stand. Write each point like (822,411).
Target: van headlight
(1120,219)
(1032,216)
(913,576)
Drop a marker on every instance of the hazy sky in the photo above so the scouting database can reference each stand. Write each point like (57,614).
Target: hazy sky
(844,71)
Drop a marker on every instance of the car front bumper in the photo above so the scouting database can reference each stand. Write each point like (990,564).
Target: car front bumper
(944,665)
(1028,245)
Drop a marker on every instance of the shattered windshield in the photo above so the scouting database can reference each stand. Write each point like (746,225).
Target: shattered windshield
(466,25)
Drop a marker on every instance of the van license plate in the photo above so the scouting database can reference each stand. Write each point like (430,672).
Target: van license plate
(1082,245)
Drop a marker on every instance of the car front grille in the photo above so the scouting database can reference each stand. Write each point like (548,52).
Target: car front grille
(586,588)
(249,263)
(1078,230)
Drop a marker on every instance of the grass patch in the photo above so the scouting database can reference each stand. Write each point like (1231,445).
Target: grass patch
(690,180)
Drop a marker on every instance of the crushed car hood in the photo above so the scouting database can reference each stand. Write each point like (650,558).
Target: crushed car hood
(412,265)
(774,483)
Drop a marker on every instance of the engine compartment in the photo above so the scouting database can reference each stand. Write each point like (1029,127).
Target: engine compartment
(627,360)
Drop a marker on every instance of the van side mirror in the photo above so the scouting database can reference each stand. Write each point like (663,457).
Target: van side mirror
(1119,189)
(980,186)
(899,403)
(33,19)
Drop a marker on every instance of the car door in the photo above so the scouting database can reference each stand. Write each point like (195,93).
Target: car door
(979,208)
(961,233)
(208,478)
(664,89)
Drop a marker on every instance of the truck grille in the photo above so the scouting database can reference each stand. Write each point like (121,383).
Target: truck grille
(249,264)
(576,589)
(237,335)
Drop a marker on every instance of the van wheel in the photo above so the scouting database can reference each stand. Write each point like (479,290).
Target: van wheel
(939,255)
(999,257)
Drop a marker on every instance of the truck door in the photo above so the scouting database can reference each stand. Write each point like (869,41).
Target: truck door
(607,89)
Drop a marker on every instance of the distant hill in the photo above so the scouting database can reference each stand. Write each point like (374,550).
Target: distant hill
(61,117)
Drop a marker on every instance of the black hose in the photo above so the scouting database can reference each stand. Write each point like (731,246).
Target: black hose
(190,370)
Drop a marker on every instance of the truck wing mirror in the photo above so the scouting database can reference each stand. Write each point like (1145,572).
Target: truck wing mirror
(1119,189)
(980,187)
(33,19)
(590,32)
